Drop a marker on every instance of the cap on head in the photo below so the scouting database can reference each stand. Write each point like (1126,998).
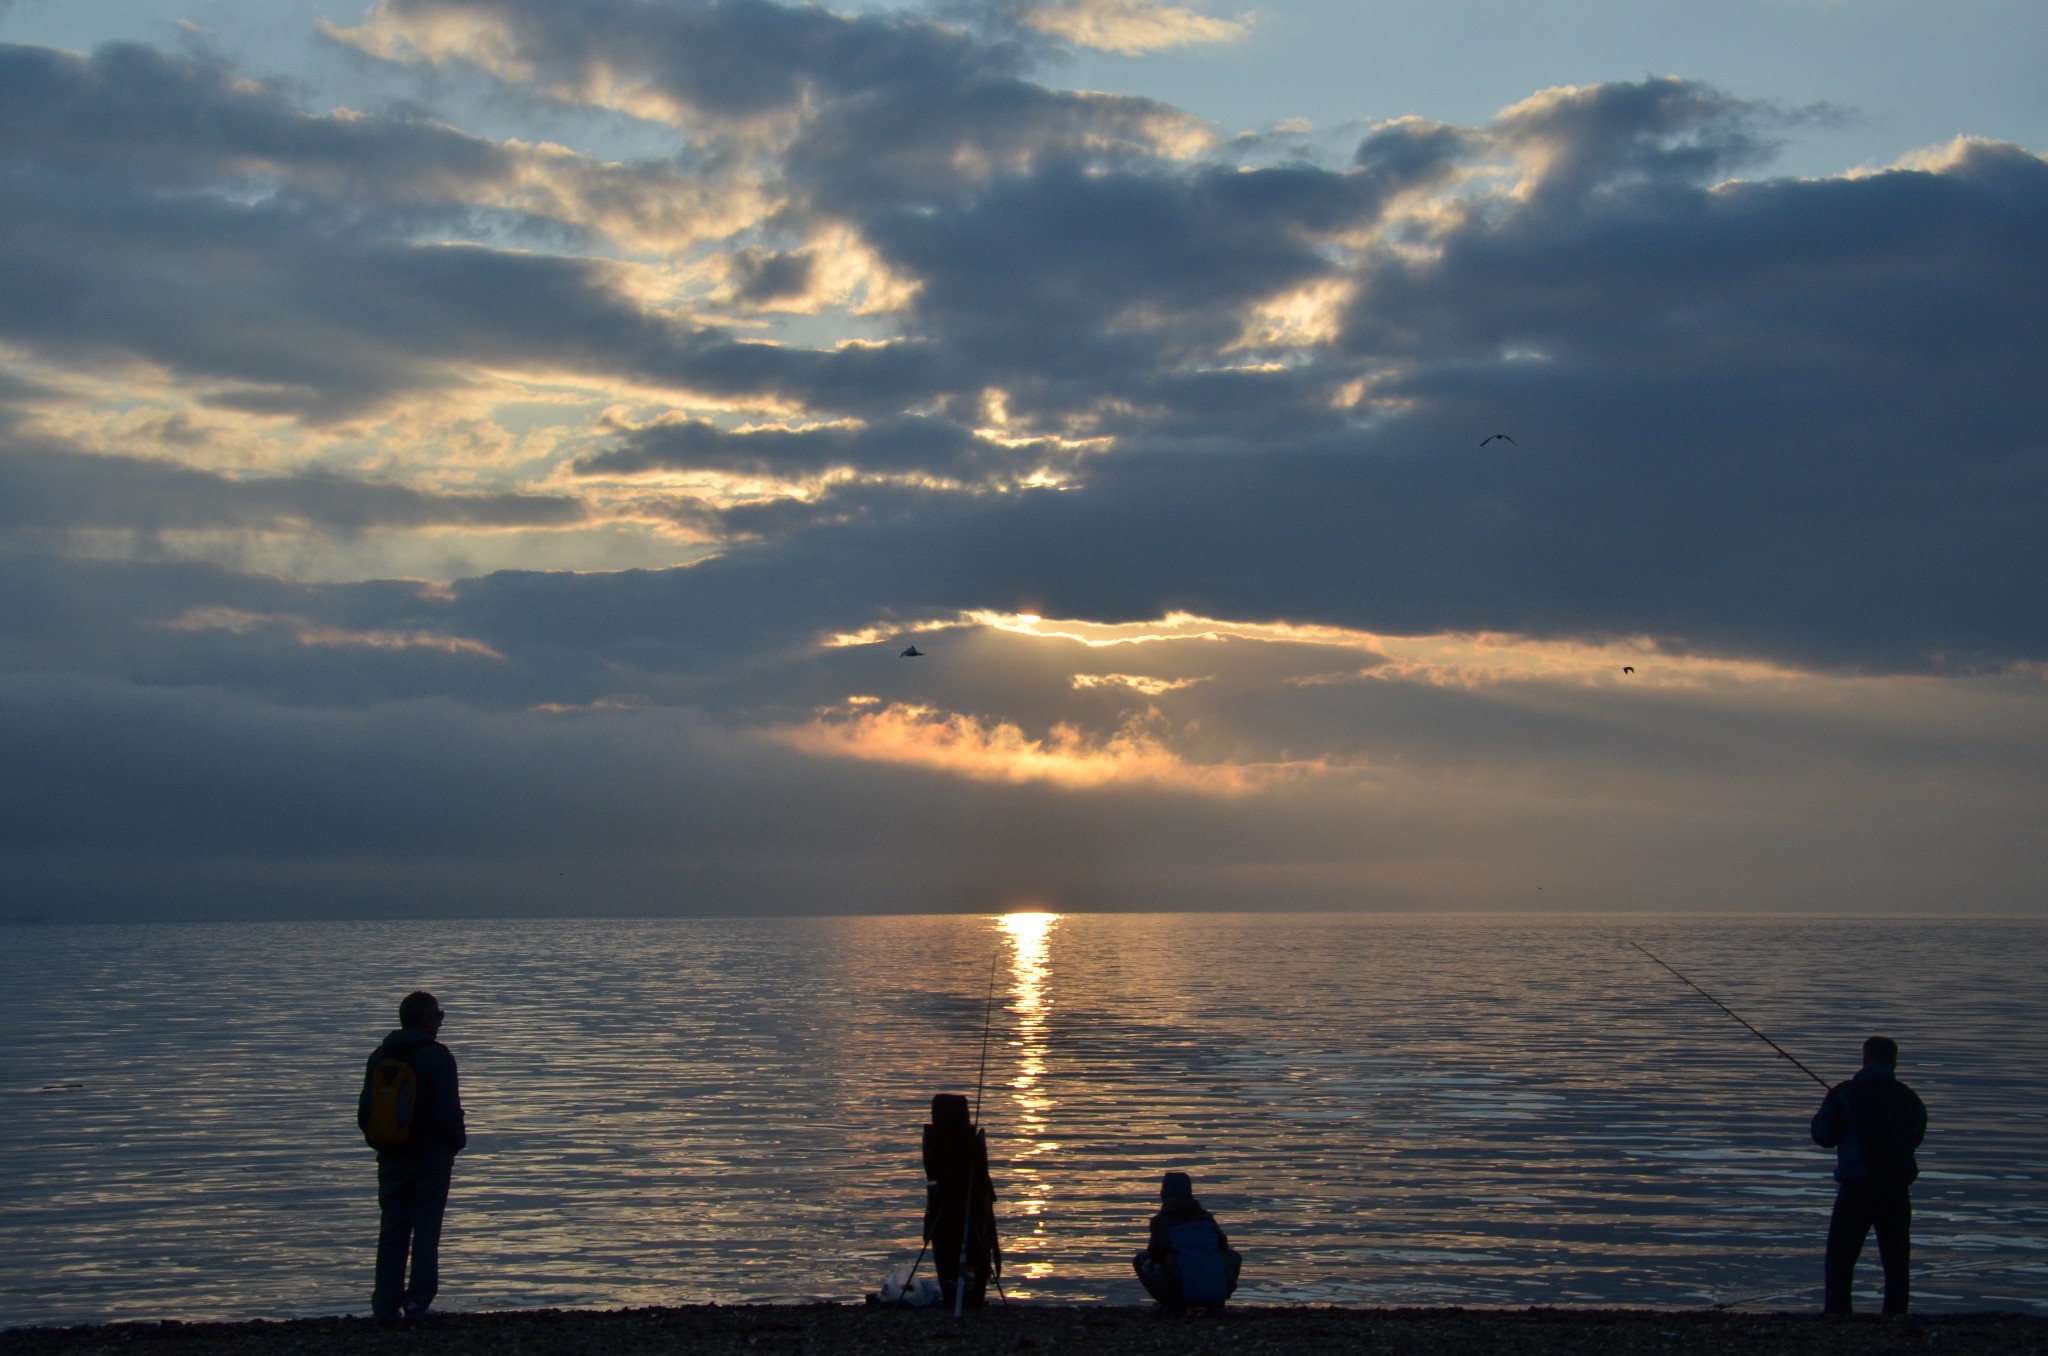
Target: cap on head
(1176,1186)
(418,1009)
(1882,1051)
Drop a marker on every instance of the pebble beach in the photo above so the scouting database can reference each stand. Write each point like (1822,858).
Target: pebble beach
(832,1329)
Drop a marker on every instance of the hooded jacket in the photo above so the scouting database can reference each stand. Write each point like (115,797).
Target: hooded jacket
(1178,1211)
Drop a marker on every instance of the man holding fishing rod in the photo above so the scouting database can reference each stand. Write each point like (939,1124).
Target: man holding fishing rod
(1873,1122)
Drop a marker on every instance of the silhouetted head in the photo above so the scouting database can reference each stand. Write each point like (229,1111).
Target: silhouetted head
(420,1011)
(949,1112)
(1176,1186)
(1881,1051)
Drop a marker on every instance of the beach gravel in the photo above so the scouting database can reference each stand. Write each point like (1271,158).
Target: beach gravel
(824,1329)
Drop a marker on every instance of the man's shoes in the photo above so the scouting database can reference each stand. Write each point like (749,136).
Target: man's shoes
(420,1313)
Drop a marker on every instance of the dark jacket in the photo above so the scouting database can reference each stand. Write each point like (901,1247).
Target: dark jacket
(1873,1122)
(438,1132)
(1187,1210)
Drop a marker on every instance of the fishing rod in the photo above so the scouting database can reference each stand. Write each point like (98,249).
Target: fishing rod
(967,1200)
(987,1020)
(980,1079)
(1782,1051)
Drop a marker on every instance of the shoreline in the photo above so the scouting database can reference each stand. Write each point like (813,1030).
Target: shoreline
(859,1330)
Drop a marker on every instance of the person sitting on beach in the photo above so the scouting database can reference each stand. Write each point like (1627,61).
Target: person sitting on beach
(960,1202)
(1873,1122)
(1188,1263)
(410,1111)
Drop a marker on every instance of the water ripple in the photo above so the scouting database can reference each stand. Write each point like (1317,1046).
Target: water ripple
(1382,1111)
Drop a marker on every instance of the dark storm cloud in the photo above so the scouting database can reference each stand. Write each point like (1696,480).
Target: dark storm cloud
(1791,419)
(296,312)
(1646,131)
(1058,272)
(768,276)
(715,58)
(887,107)
(48,491)
(1787,418)
(175,120)
(154,207)
(909,444)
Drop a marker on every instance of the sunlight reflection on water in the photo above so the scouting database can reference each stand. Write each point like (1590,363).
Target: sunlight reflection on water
(1381,1110)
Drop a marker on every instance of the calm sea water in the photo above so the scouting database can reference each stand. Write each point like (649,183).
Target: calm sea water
(1380,1110)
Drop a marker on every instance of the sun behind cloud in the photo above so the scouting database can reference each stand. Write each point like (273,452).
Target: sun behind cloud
(997,751)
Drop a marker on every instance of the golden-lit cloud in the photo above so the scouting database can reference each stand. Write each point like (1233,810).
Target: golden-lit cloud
(311,633)
(1131,27)
(438,35)
(967,746)
(881,631)
(1300,318)
(1447,659)
(1137,682)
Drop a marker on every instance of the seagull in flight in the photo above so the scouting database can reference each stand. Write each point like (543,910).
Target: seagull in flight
(1502,436)
(912,653)
(1628,668)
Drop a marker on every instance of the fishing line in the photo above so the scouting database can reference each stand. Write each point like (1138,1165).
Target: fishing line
(1996,1264)
(1782,1051)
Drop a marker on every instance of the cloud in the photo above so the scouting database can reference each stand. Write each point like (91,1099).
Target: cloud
(929,447)
(306,633)
(1136,682)
(1129,27)
(966,746)
(858,107)
(46,490)
(1167,453)
(733,59)
(184,123)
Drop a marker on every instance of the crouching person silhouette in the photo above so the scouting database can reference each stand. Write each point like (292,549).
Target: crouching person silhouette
(1188,1263)
(960,1204)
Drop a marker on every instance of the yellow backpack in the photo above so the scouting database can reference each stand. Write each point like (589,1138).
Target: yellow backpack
(394,1096)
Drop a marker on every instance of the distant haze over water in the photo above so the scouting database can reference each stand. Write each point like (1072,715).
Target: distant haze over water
(1381,1110)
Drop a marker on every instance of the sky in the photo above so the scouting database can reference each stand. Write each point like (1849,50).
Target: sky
(487,457)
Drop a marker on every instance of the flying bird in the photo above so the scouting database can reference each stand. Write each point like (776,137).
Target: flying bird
(1628,668)
(1502,436)
(912,653)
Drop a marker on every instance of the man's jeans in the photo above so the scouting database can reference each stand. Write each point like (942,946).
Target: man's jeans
(1860,1206)
(411,1198)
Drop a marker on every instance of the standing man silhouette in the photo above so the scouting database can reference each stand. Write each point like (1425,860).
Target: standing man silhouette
(1873,1122)
(410,1111)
